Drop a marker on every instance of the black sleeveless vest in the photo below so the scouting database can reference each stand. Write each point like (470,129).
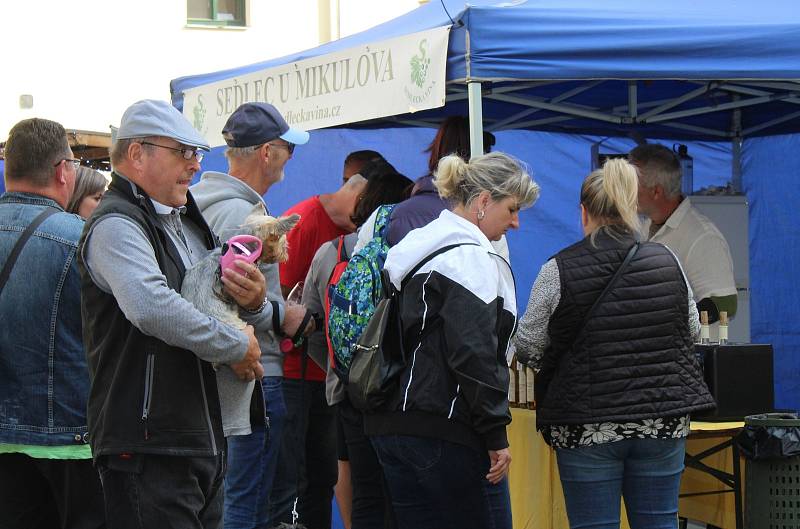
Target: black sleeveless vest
(146,396)
(635,359)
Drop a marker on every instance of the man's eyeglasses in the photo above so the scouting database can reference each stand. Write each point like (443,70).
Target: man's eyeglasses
(75,163)
(186,152)
(288,146)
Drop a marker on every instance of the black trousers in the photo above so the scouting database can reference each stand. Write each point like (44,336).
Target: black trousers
(49,493)
(372,506)
(144,491)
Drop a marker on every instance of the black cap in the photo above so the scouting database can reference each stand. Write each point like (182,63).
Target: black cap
(257,123)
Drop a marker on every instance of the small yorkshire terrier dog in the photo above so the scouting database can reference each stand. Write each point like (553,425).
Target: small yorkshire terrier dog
(202,285)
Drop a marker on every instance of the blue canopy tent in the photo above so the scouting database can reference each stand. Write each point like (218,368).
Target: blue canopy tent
(553,77)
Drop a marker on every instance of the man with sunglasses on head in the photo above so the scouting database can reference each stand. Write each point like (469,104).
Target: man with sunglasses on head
(46,474)
(154,414)
(260,143)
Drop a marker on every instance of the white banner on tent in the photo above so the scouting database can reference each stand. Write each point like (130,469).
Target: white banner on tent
(394,76)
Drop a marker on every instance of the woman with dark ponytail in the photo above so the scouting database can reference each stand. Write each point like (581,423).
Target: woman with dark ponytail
(610,327)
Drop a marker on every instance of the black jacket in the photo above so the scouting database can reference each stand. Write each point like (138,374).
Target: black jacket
(635,359)
(458,314)
(146,396)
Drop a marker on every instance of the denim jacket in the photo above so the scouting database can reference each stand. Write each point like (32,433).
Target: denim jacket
(44,381)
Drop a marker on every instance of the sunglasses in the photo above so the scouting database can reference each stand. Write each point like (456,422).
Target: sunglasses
(288,146)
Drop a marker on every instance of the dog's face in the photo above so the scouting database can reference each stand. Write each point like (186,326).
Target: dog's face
(272,232)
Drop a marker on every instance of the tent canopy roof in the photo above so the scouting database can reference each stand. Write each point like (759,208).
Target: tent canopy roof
(709,69)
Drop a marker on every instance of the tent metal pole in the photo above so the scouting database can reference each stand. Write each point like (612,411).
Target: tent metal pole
(736,164)
(717,108)
(675,102)
(561,108)
(694,128)
(736,147)
(475,118)
(633,108)
(525,113)
(753,92)
(767,124)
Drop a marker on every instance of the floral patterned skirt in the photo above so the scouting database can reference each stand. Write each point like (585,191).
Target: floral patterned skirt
(577,435)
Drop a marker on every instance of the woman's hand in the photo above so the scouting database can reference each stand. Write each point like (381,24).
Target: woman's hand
(500,462)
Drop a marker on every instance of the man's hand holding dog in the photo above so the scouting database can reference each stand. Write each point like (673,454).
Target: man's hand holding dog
(248,288)
(249,367)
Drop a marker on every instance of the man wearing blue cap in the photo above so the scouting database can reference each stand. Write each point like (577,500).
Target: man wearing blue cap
(260,142)
(154,416)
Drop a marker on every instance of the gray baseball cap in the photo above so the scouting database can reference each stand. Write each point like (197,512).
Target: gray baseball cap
(150,117)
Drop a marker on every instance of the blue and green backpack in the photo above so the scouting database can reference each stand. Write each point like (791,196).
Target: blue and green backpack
(354,297)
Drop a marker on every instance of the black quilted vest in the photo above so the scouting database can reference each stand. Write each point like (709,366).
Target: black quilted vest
(635,358)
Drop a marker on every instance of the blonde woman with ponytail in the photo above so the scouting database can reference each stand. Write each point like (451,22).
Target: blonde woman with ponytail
(617,376)
(441,436)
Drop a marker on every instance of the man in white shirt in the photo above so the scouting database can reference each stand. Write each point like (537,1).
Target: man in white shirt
(672,220)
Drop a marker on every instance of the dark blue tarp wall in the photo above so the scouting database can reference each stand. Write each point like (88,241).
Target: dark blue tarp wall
(558,162)
(771,167)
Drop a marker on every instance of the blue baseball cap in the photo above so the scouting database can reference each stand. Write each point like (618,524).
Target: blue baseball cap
(150,117)
(256,124)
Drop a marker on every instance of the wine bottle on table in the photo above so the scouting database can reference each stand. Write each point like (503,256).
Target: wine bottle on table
(704,327)
(512,383)
(723,327)
(529,388)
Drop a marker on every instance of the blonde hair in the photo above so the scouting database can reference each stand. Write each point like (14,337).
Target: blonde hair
(501,175)
(610,196)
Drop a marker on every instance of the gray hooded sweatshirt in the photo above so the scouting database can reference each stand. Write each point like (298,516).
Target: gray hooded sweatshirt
(225,202)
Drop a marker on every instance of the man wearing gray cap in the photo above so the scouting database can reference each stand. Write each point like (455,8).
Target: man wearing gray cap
(154,417)
(260,142)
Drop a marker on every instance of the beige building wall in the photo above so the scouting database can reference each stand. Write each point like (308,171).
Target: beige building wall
(83,62)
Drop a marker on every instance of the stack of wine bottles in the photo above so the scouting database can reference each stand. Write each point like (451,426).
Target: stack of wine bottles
(520,387)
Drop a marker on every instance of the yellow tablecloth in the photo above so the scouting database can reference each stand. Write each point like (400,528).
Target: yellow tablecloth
(537,501)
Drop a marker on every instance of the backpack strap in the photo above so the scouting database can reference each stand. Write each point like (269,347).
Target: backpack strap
(341,251)
(430,256)
(382,220)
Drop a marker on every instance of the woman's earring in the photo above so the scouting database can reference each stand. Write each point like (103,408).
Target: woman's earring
(481,214)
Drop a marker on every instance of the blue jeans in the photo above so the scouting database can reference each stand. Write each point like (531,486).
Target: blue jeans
(307,457)
(645,472)
(252,460)
(437,484)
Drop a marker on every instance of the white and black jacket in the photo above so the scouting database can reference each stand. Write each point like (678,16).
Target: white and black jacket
(459,314)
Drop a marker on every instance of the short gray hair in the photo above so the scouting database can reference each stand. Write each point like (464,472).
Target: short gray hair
(657,165)
(119,150)
(241,152)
